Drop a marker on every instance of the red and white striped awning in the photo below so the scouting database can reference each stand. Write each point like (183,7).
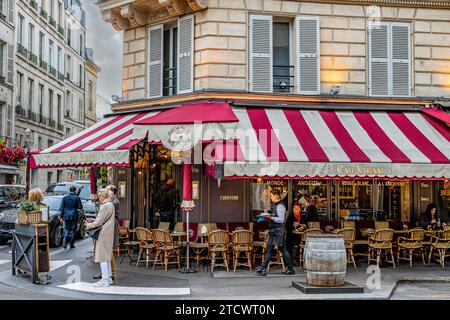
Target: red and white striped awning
(312,143)
(106,143)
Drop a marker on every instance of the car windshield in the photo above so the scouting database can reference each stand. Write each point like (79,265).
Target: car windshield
(63,188)
(53,203)
(85,193)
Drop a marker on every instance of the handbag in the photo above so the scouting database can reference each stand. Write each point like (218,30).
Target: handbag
(94,233)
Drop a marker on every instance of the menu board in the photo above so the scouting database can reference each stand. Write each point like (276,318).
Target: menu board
(425,195)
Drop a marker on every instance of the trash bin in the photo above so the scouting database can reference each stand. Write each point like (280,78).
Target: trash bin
(30,251)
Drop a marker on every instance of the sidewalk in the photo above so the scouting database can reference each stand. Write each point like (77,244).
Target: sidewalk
(142,283)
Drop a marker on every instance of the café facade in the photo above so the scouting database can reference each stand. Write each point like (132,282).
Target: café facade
(358,162)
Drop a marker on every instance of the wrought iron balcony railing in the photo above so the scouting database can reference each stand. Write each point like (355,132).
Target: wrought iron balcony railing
(52,21)
(283,78)
(43,13)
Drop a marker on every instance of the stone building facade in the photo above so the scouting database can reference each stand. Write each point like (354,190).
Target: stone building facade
(222,38)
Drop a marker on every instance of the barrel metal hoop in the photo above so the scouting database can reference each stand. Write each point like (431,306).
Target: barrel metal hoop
(327,272)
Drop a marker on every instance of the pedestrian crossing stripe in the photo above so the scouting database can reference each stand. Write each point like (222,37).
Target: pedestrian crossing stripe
(120,290)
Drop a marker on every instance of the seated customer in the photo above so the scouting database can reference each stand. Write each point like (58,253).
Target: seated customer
(312,214)
(292,224)
(430,217)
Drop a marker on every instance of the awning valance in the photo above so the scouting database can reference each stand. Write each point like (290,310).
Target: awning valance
(108,142)
(311,143)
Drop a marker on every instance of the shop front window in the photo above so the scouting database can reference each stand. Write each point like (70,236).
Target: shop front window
(260,195)
(355,200)
(306,192)
(444,200)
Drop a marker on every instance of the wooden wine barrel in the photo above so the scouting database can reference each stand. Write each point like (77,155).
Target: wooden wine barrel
(325,260)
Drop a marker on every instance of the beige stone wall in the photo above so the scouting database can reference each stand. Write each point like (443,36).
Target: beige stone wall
(221,46)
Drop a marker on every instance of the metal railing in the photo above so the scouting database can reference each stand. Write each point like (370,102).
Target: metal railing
(43,13)
(51,123)
(52,21)
(20,111)
(60,76)
(2,16)
(32,57)
(52,70)
(60,127)
(34,4)
(283,78)
(61,30)
(170,81)
(22,50)
(42,64)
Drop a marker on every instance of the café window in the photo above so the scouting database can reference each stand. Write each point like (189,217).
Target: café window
(373,200)
(444,198)
(311,191)
(260,194)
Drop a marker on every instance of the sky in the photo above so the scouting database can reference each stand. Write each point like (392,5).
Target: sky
(107,45)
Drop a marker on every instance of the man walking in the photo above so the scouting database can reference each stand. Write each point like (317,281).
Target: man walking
(70,205)
(276,235)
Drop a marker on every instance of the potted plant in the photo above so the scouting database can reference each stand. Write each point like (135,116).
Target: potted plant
(29,213)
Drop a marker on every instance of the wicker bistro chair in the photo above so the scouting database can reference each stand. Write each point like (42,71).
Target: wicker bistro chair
(144,237)
(349,235)
(381,225)
(379,242)
(178,227)
(165,247)
(200,247)
(165,226)
(440,244)
(413,242)
(218,244)
(242,241)
(303,241)
(345,224)
(314,225)
(126,243)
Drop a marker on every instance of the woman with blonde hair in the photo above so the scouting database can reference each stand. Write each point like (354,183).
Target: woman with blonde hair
(37,196)
(103,246)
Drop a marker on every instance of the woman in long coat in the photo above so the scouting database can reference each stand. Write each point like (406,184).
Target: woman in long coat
(103,246)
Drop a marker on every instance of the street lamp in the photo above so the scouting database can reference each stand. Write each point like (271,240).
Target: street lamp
(28,141)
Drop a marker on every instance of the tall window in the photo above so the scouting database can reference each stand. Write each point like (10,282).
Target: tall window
(58,106)
(19,87)
(171,58)
(80,83)
(30,38)
(90,91)
(80,110)
(271,66)
(68,104)
(40,98)
(50,103)
(60,13)
(20,26)
(30,93)
(52,8)
(69,67)
(3,8)
(69,35)
(58,62)
(50,52)
(390,59)
(2,59)
(41,46)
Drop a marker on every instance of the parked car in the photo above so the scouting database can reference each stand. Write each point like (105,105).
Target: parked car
(8,219)
(10,195)
(83,191)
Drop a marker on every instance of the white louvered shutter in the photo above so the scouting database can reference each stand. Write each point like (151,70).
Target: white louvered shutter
(185,74)
(10,64)
(261,53)
(155,68)
(379,59)
(400,57)
(11,11)
(308,55)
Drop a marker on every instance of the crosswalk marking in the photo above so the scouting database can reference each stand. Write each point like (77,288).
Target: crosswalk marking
(118,290)
(4,261)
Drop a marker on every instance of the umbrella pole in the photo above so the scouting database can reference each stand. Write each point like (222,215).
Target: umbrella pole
(187,269)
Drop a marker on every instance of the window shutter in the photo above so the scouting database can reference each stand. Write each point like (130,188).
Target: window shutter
(155,76)
(185,75)
(379,59)
(10,64)
(11,11)
(308,55)
(401,83)
(261,49)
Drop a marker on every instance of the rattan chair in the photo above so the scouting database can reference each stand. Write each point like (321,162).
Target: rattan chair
(349,235)
(379,242)
(165,247)
(413,242)
(218,244)
(242,241)
(178,227)
(303,241)
(314,225)
(164,226)
(348,224)
(381,225)
(144,237)
(199,248)
(441,244)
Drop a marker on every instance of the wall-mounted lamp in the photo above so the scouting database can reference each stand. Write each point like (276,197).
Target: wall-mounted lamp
(335,90)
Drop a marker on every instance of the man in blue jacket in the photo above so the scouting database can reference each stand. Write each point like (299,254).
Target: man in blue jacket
(70,205)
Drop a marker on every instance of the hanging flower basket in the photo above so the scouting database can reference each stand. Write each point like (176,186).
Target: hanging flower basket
(12,154)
